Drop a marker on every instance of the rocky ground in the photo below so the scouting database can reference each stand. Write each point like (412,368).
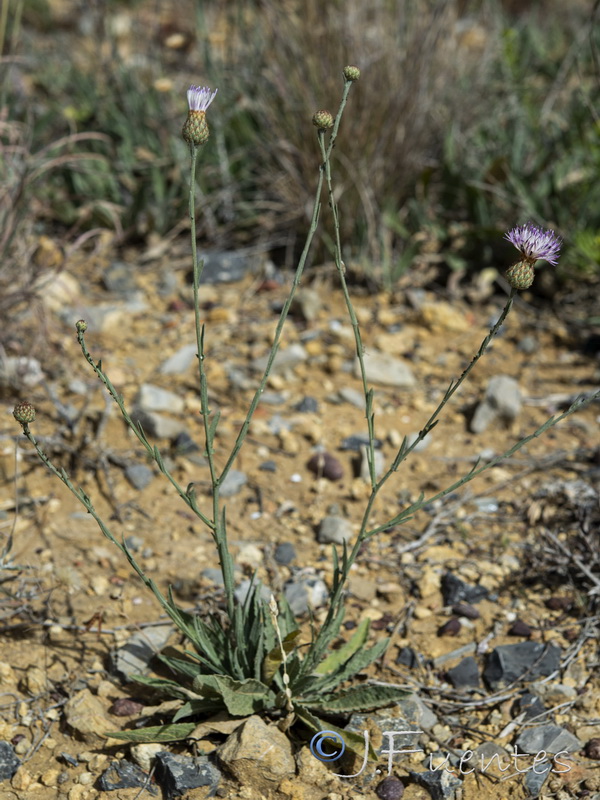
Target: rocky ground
(499,579)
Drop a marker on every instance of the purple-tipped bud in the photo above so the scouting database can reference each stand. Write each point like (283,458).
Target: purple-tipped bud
(351,73)
(322,120)
(534,243)
(24,412)
(195,130)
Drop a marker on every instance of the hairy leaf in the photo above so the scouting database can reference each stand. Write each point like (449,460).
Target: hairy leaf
(352,667)
(356,698)
(159,733)
(242,698)
(340,656)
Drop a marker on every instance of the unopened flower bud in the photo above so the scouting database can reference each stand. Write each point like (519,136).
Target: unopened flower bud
(351,73)
(24,412)
(322,120)
(195,130)
(520,276)
(81,326)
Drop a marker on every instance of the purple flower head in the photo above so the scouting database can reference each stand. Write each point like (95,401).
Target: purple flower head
(200,97)
(533,243)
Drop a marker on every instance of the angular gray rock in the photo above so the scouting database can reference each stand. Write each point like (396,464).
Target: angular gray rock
(134,657)
(285,360)
(502,401)
(386,370)
(335,530)
(155,398)
(526,661)
(9,763)
(180,361)
(177,775)
(551,738)
(304,593)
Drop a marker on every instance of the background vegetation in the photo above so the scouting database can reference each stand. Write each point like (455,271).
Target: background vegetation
(470,117)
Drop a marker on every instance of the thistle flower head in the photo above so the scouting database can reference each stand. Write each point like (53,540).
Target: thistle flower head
(200,97)
(351,73)
(534,243)
(24,412)
(322,120)
(195,130)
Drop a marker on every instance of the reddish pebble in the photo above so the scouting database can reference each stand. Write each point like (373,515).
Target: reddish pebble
(450,628)
(559,603)
(520,628)
(592,749)
(465,610)
(125,707)
(326,465)
(390,788)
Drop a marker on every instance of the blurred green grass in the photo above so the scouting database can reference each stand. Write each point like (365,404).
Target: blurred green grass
(469,118)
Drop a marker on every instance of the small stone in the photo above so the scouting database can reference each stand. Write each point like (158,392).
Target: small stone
(308,405)
(36,680)
(284,553)
(304,593)
(9,763)
(441,316)
(326,465)
(551,738)
(353,396)
(85,715)
(157,425)
(306,304)
(180,361)
(227,266)
(179,774)
(450,628)
(134,657)
(20,372)
(125,707)
(234,481)
(441,785)
(455,591)
(258,754)
(50,777)
(154,398)
(144,754)
(528,661)
(536,777)
(464,675)
(408,658)
(21,780)
(124,775)
(335,530)
(357,441)
(502,399)
(139,475)
(364,467)
(519,628)
(592,749)
(465,610)
(268,466)
(285,360)
(386,370)
(531,705)
(390,788)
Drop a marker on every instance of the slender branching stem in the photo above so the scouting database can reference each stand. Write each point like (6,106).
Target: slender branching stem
(137,430)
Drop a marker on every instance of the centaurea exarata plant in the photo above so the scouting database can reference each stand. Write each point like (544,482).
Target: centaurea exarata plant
(255,664)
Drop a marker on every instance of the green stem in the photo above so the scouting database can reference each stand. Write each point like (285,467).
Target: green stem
(188,498)
(173,612)
(219,527)
(286,307)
